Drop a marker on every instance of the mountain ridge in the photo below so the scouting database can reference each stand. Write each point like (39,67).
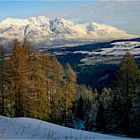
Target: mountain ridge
(46,31)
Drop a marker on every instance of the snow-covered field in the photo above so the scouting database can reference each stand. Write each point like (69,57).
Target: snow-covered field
(117,48)
(111,54)
(27,128)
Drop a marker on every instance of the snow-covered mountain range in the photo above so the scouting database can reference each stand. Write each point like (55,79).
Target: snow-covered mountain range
(57,31)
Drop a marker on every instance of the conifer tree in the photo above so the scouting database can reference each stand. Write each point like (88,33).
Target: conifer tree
(85,107)
(102,115)
(18,77)
(57,94)
(69,91)
(126,85)
(127,75)
(3,77)
(30,54)
(71,85)
(37,92)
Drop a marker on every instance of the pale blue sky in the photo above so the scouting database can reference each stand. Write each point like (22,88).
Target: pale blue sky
(124,14)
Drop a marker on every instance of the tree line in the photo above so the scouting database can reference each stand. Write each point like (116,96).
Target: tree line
(119,107)
(34,84)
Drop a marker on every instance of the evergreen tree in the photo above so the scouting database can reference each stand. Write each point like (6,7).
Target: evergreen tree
(101,121)
(39,84)
(3,79)
(30,54)
(69,91)
(54,74)
(134,115)
(85,107)
(126,85)
(70,85)
(102,115)
(37,105)
(134,123)
(18,78)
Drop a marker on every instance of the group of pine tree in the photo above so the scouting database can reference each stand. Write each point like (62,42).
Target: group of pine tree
(34,84)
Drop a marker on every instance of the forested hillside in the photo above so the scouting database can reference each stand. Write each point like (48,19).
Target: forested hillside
(34,84)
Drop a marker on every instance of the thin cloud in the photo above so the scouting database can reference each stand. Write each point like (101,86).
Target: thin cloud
(121,13)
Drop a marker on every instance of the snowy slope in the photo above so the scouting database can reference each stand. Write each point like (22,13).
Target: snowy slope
(117,49)
(45,30)
(26,128)
(112,54)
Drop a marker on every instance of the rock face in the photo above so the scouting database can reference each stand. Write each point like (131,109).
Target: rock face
(44,30)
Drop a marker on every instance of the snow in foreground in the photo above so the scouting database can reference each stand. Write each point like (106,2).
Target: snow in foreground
(26,128)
